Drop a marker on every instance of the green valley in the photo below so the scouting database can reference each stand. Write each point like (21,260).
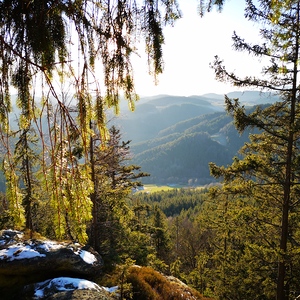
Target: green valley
(175,138)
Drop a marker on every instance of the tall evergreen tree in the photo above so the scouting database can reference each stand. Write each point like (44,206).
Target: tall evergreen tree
(114,179)
(160,236)
(270,161)
(26,156)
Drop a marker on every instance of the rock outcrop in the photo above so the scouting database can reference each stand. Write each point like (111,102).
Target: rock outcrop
(66,288)
(81,295)
(23,262)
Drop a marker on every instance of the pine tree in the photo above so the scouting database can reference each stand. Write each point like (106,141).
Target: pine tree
(114,181)
(268,171)
(160,235)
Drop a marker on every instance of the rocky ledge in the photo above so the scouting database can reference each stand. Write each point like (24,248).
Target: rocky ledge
(47,269)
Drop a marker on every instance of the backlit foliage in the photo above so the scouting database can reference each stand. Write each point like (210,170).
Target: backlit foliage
(67,61)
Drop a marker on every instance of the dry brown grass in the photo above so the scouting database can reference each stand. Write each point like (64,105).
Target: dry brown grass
(148,284)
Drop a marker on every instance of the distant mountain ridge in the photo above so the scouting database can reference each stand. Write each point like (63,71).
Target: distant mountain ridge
(174,138)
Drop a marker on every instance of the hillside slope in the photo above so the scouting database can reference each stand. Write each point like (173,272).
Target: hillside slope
(175,138)
(184,158)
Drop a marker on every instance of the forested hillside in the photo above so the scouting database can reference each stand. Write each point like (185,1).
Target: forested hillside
(175,138)
(67,173)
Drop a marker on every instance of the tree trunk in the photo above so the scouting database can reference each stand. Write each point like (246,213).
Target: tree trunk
(281,292)
(94,240)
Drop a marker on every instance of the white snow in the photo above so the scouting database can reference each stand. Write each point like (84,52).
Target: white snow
(23,251)
(7,236)
(30,250)
(61,284)
(50,245)
(19,251)
(19,234)
(64,284)
(88,257)
(112,289)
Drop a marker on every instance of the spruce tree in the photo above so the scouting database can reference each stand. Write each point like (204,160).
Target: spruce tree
(114,181)
(160,236)
(27,159)
(268,170)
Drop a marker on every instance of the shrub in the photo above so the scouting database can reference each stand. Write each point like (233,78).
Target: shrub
(149,284)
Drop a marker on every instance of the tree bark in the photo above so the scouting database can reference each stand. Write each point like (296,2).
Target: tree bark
(281,292)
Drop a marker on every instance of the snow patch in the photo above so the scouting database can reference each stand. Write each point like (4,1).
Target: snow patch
(30,250)
(112,289)
(88,257)
(50,245)
(9,235)
(19,251)
(61,284)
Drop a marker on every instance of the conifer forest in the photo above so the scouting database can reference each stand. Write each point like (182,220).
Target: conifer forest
(68,173)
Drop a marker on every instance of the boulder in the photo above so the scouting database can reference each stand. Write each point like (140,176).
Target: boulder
(65,288)
(28,261)
(81,295)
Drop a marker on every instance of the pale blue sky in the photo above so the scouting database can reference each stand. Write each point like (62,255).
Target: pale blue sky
(192,44)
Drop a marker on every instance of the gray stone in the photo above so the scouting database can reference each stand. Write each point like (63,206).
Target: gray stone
(65,288)
(23,262)
(81,295)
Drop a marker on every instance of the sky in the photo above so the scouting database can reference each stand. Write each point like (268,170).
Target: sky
(190,46)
